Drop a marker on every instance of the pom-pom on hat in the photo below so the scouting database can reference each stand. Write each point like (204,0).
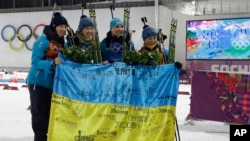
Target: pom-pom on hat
(148,32)
(115,21)
(85,22)
(57,19)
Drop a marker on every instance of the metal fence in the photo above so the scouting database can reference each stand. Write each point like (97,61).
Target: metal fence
(47,5)
(208,7)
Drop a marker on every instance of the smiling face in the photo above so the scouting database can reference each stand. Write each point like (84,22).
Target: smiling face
(150,41)
(117,30)
(61,30)
(88,32)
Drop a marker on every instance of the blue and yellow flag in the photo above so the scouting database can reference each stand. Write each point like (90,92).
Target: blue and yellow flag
(115,102)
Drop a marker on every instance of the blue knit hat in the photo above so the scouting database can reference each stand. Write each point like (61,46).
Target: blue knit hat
(57,19)
(148,31)
(114,22)
(85,22)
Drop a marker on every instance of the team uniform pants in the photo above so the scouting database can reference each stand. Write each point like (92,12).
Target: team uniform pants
(40,100)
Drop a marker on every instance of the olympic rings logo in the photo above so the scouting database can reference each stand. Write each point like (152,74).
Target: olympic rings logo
(20,37)
(116,48)
(240,44)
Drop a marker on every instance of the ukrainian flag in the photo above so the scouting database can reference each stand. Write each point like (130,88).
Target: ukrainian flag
(115,102)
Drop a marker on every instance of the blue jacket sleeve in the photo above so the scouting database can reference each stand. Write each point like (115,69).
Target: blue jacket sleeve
(166,51)
(103,46)
(42,70)
(38,51)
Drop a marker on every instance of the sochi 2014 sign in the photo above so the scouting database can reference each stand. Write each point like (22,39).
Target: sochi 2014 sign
(218,39)
(219,66)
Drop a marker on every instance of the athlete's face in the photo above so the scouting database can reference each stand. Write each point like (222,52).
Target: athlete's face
(117,30)
(88,32)
(150,40)
(61,30)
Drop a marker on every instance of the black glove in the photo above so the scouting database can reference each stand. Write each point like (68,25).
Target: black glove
(127,39)
(72,41)
(135,63)
(178,65)
(111,61)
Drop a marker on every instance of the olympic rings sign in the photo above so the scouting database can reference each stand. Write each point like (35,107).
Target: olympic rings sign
(20,37)
(240,44)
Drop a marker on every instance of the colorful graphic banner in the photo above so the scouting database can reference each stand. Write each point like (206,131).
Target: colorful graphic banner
(218,39)
(115,102)
(223,97)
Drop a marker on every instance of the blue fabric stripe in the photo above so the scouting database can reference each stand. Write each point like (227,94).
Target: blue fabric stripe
(135,85)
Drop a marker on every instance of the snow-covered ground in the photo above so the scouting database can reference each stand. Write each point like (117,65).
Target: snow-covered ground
(15,119)
(198,130)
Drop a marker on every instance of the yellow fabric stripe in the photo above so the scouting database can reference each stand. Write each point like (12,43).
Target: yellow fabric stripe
(72,120)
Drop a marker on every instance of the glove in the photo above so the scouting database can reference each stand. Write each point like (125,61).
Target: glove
(164,37)
(178,65)
(127,39)
(72,41)
(111,61)
(135,63)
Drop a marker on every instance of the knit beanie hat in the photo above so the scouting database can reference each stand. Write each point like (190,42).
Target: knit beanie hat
(114,22)
(57,19)
(85,22)
(148,31)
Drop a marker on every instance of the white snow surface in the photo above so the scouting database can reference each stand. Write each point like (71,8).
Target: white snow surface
(15,119)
